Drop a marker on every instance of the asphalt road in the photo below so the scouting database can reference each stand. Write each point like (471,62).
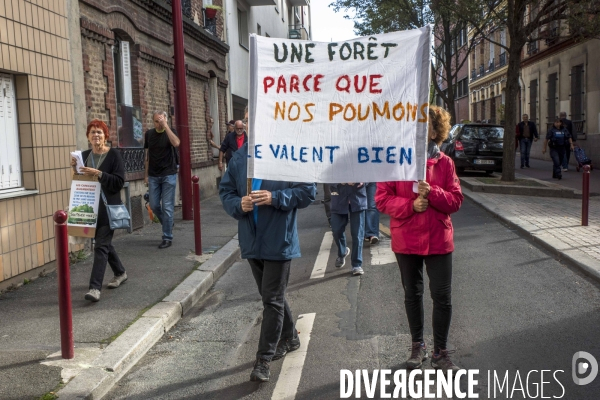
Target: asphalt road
(516,310)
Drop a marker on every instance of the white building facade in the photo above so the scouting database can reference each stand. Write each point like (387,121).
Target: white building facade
(272,18)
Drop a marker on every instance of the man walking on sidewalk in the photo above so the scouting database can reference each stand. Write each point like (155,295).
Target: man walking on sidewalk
(161,173)
(232,142)
(527,133)
(348,203)
(268,238)
(568,125)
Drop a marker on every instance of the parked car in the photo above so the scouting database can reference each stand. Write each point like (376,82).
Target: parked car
(475,146)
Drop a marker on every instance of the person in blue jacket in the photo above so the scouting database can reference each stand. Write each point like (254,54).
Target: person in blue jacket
(268,237)
(348,203)
(558,138)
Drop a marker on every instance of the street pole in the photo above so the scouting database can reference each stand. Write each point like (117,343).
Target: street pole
(197,233)
(585,196)
(64,286)
(181,112)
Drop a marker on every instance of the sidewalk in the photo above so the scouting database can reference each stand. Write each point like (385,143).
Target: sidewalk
(29,328)
(555,223)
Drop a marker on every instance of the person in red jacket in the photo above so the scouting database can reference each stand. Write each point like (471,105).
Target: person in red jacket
(422,233)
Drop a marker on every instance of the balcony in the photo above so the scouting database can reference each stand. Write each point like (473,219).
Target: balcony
(491,67)
(502,60)
(210,24)
(298,31)
(473,74)
(253,3)
(551,36)
(481,71)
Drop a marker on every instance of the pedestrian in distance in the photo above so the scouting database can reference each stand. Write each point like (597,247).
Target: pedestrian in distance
(348,204)
(327,202)
(268,238)
(422,232)
(558,139)
(527,134)
(106,165)
(162,163)
(371,215)
(233,141)
(568,125)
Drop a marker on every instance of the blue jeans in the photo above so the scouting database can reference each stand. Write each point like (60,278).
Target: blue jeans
(357,229)
(557,154)
(525,145)
(371,214)
(162,201)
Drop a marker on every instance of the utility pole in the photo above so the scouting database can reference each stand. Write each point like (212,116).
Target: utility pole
(181,112)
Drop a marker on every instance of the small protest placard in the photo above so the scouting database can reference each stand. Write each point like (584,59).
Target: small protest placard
(83,206)
(353,111)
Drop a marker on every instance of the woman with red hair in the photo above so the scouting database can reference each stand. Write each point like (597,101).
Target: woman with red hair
(422,233)
(106,165)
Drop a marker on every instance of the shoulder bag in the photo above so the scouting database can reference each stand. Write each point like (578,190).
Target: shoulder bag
(118,216)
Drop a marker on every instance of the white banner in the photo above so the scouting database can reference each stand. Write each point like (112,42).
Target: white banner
(353,111)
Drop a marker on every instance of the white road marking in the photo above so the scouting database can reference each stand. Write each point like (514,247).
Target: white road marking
(381,253)
(323,256)
(291,370)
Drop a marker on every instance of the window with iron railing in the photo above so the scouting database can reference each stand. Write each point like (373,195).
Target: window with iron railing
(532,47)
(502,60)
(298,31)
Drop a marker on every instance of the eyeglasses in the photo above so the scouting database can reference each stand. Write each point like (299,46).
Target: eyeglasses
(239,129)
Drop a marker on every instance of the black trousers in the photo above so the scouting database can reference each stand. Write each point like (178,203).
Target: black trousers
(277,323)
(327,199)
(104,252)
(439,270)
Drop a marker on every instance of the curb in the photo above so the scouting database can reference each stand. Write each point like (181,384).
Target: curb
(122,354)
(574,257)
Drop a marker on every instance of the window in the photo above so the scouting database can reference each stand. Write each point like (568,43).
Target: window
(10,162)
(552,79)
(533,89)
(267,35)
(258,29)
(462,38)
(122,68)
(243,28)
(462,88)
(577,93)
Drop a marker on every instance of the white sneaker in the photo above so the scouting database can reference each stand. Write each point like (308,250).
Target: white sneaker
(357,271)
(117,280)
(374,239)
(93,295)
(341,261)
(565,169)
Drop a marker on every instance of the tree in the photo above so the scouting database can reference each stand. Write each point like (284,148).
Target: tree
(523,20)
(382,16)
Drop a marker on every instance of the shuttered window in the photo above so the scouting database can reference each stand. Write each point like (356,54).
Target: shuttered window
(533,90)
(577,93)
(10,162)
(552,79)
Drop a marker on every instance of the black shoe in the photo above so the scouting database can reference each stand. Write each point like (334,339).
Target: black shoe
(285,346)
(165,244)
(261,372)
(522,167)
(527,166)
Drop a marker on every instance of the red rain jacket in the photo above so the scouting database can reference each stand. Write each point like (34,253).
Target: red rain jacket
(429,232)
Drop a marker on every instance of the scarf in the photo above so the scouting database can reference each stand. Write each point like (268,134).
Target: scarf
(433,151)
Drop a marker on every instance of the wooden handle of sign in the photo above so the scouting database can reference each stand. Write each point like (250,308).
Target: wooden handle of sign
(248,186)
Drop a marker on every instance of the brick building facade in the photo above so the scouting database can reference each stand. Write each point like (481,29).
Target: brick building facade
(128,69)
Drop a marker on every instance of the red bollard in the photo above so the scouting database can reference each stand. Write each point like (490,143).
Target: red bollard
(196,207)
(585,196)
(64,285)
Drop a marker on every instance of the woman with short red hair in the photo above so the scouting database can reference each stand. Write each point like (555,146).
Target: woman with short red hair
(106,165)
(422,233)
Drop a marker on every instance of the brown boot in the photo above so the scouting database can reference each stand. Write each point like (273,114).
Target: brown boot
(443,362)
(418,354)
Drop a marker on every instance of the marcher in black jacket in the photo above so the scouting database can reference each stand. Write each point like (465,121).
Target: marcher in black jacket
(568,125)
(105,164)
(527,134)
(231,143)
